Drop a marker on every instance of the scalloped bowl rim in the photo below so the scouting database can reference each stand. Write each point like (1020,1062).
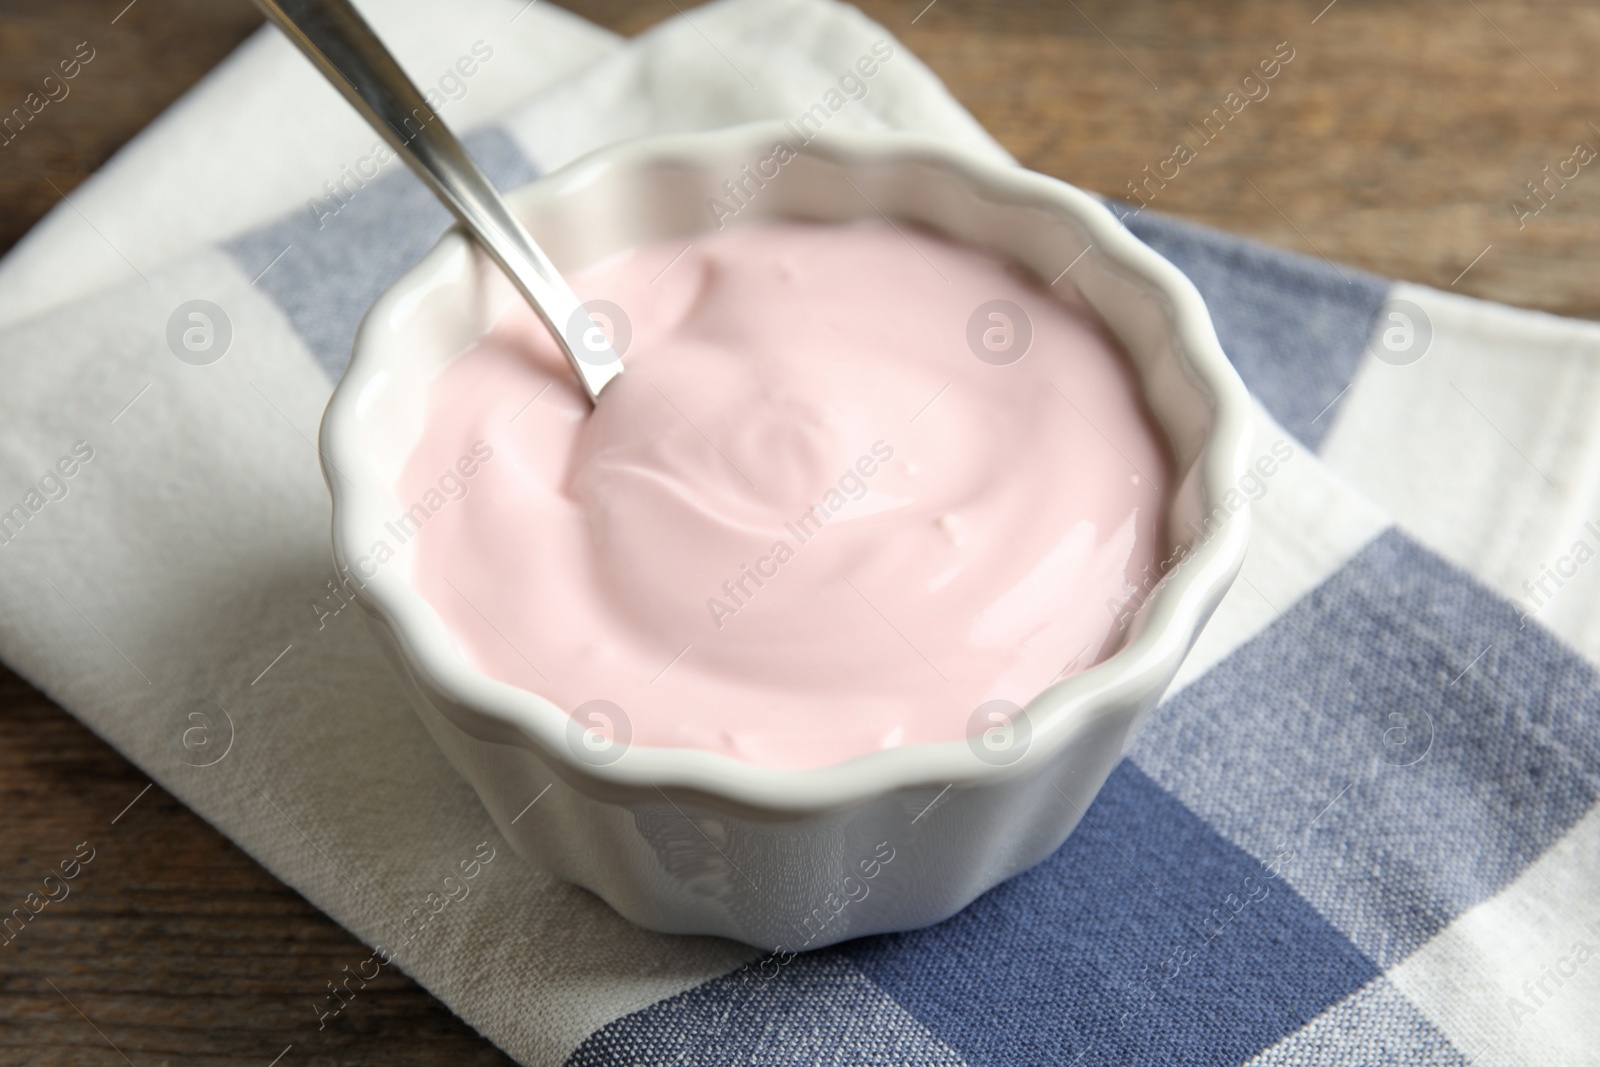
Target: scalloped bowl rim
(1176,610)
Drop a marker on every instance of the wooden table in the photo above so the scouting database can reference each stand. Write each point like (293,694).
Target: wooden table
(1395,139)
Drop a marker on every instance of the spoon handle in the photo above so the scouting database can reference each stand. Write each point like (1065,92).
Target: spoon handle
(335,37)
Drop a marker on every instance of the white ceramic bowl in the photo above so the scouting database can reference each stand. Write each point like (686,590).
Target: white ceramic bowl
(688,841)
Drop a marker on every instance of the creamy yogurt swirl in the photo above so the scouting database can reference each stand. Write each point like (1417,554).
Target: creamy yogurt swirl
(826,511)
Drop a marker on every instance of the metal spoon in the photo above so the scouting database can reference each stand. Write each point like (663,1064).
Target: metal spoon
(348,53)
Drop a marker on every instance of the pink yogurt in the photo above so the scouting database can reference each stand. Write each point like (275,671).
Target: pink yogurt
(809,522)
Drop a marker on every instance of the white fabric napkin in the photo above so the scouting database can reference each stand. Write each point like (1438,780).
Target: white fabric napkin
(167,579)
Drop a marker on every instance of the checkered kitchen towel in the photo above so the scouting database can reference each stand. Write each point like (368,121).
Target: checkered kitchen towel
(1361,829)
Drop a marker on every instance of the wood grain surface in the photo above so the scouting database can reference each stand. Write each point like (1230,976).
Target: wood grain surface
(1395,139)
